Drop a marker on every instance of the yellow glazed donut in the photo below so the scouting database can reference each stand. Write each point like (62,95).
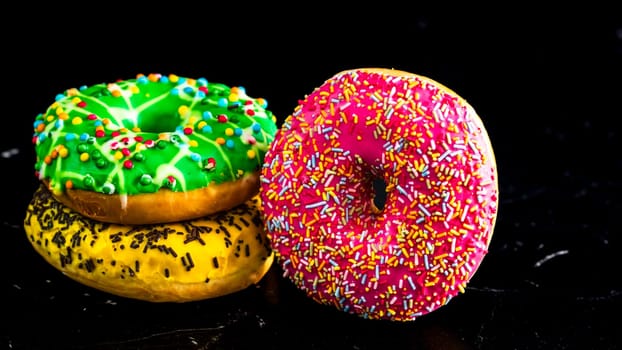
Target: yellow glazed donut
(432,152)
(176,262)
(157,148)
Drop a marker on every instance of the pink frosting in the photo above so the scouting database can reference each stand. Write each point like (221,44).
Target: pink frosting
(433,153)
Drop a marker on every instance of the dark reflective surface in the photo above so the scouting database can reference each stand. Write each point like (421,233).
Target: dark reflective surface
(548,91)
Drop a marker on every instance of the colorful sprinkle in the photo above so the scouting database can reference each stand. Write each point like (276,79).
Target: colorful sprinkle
(415,254)
(155,120)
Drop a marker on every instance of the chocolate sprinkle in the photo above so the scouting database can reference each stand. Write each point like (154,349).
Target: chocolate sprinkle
(70,232)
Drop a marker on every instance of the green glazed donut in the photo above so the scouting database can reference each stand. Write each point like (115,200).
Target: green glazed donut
(156,148)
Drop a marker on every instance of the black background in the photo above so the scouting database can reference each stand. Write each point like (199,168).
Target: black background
(546,84)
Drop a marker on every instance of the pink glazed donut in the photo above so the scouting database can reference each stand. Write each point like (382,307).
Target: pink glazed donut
(434,155)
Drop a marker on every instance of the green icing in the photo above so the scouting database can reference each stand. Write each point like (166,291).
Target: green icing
(152,132)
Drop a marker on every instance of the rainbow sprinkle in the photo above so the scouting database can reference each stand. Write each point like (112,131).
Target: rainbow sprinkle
(432,152)
(163,127)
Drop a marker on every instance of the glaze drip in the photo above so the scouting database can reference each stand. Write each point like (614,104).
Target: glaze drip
(152,132)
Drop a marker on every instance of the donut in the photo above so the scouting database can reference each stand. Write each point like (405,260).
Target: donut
(153,149)
(191,260)
(331,234)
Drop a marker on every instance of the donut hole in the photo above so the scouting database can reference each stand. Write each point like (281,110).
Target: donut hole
(380,192)
(158,121)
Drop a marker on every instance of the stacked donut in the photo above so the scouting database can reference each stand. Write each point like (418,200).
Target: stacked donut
(430,149)
(166,188)
(149,187)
